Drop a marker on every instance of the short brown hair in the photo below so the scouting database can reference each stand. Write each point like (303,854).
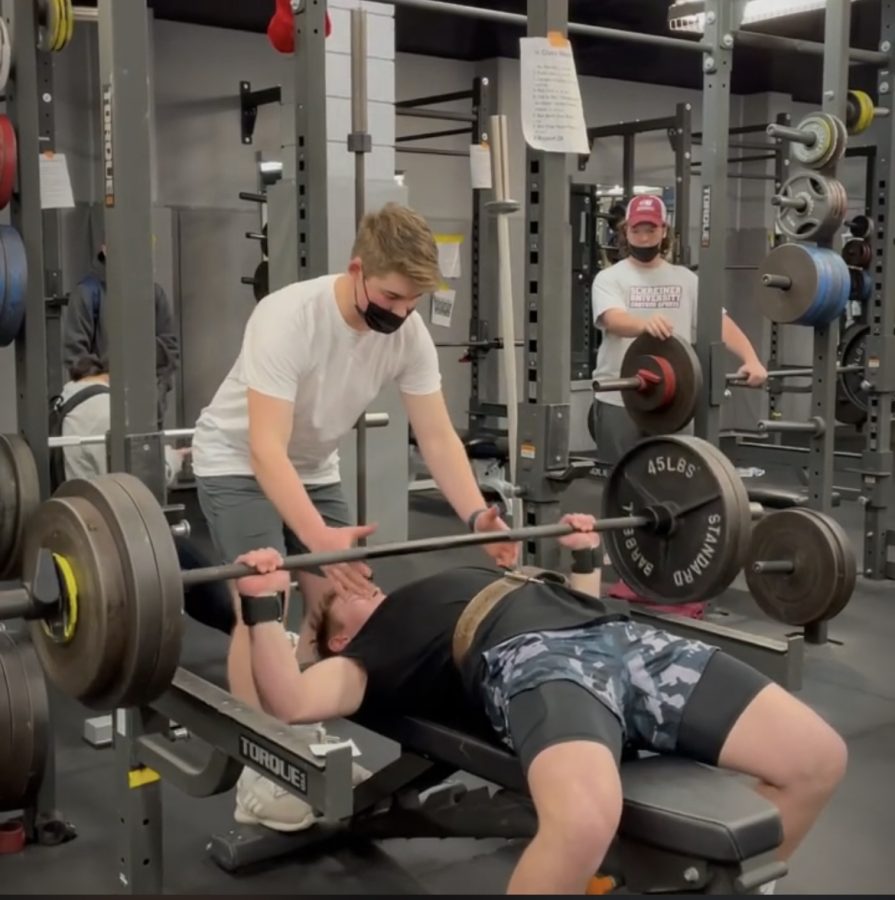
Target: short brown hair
(86,366)
(325,626)
(396,239)
(664,247)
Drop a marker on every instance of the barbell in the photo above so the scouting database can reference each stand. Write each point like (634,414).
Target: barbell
(104,590)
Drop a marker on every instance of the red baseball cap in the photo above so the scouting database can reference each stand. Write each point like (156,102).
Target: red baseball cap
(646,208)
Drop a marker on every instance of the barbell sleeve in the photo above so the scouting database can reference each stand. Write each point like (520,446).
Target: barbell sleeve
(800,204)
(774,567)
(406,548)
(814,426)
(794,135)
(634,383)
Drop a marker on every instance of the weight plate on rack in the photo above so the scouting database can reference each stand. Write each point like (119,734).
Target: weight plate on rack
(852,403)
(165,592)
(5,53)
(13,284)
(823,207)
(146,612)
(860,227)
(19,499)
(692,562)
(841,143)
(817,155)
(86,667)
(24,722)
(261,282)
(819,288)
(856,254)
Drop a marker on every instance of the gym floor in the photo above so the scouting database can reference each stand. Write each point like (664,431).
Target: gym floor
(849,681)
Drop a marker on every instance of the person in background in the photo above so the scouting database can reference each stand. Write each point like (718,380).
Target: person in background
(644,293)
(85,331)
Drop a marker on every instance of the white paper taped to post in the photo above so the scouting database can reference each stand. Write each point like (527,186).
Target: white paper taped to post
(480,167)
(449,254)
(55,184)
(443,306)
(552,112)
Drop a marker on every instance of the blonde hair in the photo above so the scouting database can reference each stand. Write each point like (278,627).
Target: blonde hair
(396,239)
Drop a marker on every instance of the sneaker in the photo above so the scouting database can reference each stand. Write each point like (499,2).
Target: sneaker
(260,801)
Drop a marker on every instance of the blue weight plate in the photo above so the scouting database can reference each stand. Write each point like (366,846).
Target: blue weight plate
(867,291)
(844,285)
(821,294)
(13,284)
(834,304)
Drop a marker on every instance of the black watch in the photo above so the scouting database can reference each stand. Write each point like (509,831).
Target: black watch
(257,610)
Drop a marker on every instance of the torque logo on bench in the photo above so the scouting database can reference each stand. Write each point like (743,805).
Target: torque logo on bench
(274,765)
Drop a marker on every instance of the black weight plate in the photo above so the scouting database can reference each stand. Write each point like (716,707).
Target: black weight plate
(264,241)
(19,499)
(856,254)
(261,285)
(740,537)
(144,609)
(24,722)
(848,562)
(796,262)
(86,667)
(809,593)
(692,562)
(860,227)
(166,591)
(650,415)
(853,352)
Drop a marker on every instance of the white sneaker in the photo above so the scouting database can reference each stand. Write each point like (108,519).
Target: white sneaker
(768,888)
(260,801)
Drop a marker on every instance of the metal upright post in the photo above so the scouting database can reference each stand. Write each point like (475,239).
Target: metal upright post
(683,157)
(544,407)
(880,316)
(23,108)
(359,143)
(56,377)
(717,66)
(310,140)
(837,30)
(481,109)
(135,444)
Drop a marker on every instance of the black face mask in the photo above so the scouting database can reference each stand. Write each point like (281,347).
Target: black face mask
(378,319)
(644,254)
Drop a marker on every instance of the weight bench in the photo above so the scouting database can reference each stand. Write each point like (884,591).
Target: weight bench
(685,827)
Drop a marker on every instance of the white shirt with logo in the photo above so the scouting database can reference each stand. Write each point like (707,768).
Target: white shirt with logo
(641,291)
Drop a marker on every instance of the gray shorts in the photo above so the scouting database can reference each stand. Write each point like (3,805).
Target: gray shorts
(241,518)
(619,684)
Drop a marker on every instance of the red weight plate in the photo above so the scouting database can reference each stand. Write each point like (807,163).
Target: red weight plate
(9,158)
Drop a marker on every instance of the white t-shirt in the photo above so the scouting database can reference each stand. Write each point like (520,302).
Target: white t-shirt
(643,292)
(94,417)
(298,347)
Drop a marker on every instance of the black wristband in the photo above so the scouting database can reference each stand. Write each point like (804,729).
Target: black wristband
(258,610)
(470,522)
(586,561)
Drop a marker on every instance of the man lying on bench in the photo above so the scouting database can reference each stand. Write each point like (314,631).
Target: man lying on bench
(563,679)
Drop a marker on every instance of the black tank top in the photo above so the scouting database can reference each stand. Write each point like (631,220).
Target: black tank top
(405,645)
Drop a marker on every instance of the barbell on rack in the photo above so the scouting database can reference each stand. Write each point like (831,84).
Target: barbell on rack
(104,588)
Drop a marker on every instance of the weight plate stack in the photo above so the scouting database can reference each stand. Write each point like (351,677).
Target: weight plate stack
(824,204)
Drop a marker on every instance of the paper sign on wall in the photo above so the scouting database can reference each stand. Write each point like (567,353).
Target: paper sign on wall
(480,167)
(449,254)
(552,113)
(443,307)
(55,184)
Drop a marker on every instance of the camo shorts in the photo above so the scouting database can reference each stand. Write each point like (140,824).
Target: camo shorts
(618,683)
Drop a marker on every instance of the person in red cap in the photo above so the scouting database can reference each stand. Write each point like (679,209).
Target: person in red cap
(646,294)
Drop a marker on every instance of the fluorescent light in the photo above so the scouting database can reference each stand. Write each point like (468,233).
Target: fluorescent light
(689,15)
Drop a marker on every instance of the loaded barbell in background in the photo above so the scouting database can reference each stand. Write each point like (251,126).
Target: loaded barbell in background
(104,585)
(819,140)
(660,382)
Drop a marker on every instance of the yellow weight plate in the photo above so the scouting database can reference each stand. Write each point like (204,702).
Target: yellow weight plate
(867,111)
